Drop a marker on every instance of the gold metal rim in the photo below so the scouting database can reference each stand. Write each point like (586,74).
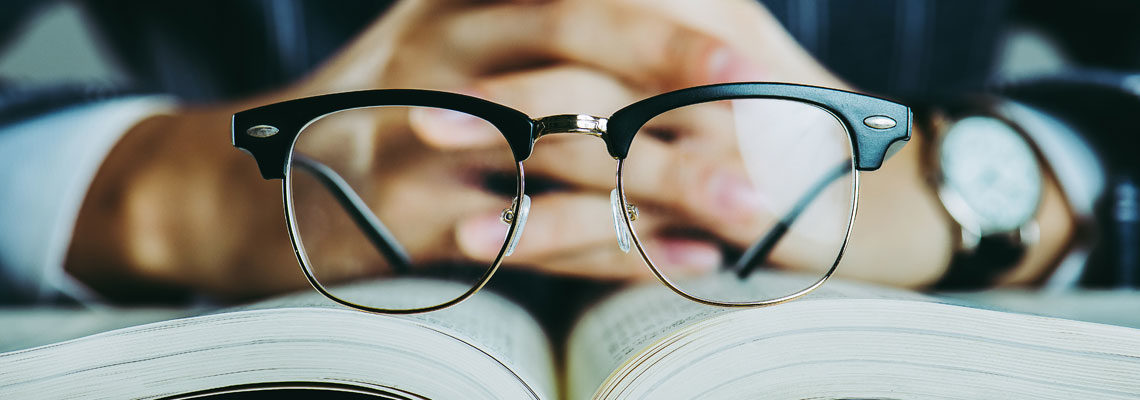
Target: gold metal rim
(306,268)
(762,303)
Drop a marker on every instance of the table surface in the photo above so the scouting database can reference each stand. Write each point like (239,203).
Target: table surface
(26,327)
(1112,307)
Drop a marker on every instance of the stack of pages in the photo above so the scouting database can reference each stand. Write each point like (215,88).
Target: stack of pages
(843,341)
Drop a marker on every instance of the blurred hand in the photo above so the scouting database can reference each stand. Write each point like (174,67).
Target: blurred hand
(900,236)
(558,57)
(899,215)
(174,204)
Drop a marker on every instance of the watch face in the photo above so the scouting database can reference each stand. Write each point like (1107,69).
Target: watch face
(993,171)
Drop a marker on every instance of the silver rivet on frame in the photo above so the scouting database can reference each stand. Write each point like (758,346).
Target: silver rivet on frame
(880,122)
(262,131)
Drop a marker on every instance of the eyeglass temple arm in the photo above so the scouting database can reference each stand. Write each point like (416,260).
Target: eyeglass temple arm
(351,202)
(760,251)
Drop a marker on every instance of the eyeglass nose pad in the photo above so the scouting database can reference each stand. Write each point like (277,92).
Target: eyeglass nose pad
(508,215)
(622,230)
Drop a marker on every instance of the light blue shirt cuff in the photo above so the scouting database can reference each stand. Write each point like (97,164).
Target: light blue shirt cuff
(46,166)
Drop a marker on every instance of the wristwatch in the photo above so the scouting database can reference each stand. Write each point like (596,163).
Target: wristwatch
(988,177)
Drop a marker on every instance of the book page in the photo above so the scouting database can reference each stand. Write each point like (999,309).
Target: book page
(484,347)
(615,330)
(487,321)
(882,348)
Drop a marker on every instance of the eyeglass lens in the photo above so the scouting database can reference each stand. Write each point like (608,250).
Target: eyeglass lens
(777,183)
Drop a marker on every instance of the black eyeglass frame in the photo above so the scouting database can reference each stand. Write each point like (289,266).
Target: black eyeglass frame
(876,127)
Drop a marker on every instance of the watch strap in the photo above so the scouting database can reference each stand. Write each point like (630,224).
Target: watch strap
(981,266)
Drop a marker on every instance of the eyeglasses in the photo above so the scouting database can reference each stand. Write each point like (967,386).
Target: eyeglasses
(796,151)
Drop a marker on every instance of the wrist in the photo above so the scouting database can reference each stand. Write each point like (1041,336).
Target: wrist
(102,251)
(1055,230)
(155,216)
(900,236)
(1009,221)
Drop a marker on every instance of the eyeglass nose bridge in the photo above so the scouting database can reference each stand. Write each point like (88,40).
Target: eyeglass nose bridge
(571,123)
(593,126)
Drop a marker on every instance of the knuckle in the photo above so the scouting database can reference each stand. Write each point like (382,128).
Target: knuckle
(693,50)
(557,26)
(694,175)
(673,53)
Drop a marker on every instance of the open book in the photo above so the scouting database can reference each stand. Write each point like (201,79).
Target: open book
(843,341)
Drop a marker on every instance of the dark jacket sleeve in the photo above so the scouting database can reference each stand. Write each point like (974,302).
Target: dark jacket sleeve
(19,100)
(16,14)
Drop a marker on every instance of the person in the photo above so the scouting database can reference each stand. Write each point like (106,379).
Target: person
(167,203)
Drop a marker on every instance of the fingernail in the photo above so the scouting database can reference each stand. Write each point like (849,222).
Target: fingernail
(449,128)
(725,65)
(450,117)
(734,194)
(691,256)
(482,236)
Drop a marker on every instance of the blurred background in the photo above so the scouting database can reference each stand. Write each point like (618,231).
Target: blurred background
(1075,63)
